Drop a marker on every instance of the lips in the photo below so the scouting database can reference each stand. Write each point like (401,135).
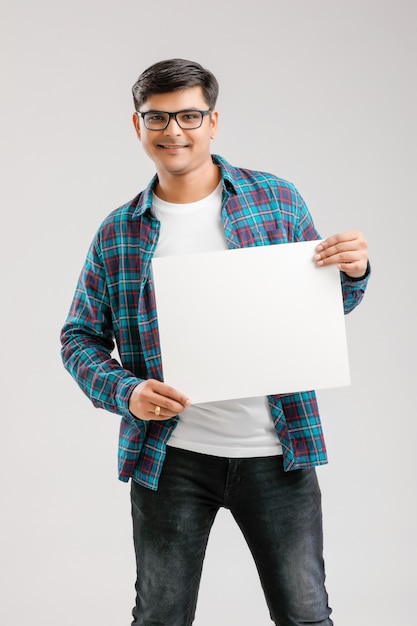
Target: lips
(172,146)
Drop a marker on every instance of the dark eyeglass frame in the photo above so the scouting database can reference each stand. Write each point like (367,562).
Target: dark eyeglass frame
(174,115)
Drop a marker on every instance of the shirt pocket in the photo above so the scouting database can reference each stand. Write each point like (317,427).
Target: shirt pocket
(275,234)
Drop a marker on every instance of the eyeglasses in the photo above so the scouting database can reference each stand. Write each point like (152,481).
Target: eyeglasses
(188,119)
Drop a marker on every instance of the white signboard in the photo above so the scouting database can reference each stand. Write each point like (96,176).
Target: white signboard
(250,322)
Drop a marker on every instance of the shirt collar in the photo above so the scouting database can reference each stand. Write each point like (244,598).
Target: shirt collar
(229,180)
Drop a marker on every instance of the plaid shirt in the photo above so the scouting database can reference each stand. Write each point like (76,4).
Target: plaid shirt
(114,300)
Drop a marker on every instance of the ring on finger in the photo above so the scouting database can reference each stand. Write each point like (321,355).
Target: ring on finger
(157,410)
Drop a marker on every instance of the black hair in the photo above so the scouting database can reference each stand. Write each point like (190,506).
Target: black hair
(174,75)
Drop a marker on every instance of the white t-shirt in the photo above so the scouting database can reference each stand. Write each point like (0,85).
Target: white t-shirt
(231,428)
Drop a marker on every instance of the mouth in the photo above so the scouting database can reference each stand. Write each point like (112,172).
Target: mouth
(172,146)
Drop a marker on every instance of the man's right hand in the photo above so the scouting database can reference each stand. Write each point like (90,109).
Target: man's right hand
(154,400)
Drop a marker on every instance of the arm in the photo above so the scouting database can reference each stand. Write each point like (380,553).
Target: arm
(87,340)
(87,344)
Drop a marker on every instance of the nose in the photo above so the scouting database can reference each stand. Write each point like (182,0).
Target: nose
(173,127)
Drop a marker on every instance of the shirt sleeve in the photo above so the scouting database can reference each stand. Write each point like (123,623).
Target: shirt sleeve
(87,340)
(353,289)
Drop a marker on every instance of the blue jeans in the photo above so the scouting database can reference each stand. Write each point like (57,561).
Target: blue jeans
(278,512)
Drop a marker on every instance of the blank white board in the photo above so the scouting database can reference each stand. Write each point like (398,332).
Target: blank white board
(250,322)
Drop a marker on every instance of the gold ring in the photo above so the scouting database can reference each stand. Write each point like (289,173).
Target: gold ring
(157,410)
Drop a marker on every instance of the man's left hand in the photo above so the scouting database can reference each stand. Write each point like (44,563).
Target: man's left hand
(349,251)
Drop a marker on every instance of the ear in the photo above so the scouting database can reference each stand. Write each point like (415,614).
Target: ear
(136,124)
(214,121)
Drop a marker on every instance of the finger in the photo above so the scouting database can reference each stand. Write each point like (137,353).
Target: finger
(170,393)
(350,256)
(151,393)
(158,412)
(341,249)
(338,249)
(155,412)
(354,269)
(352,236)
(167,404)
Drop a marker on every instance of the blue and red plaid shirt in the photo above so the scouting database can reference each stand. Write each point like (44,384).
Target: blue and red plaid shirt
(115,302)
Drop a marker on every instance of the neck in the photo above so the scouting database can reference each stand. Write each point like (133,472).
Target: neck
(185,188)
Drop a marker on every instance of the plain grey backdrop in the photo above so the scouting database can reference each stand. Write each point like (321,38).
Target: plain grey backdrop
(320,92)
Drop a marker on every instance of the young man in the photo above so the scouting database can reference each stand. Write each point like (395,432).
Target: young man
(254,456)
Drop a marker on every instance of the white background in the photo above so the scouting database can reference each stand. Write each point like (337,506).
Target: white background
(321,92)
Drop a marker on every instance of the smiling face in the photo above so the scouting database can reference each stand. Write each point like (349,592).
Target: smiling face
(175,151)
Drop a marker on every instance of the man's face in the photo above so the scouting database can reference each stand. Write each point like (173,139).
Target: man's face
(174,150)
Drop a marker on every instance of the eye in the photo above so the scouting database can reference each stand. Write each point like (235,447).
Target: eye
(155,117)
(189,116)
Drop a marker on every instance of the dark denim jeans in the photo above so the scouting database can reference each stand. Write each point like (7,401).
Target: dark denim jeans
(278,512)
